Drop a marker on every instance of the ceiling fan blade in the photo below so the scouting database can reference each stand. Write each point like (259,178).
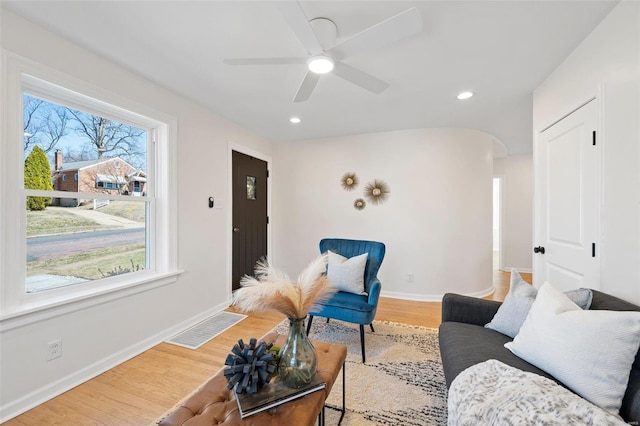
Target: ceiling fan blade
(296,19)
(379,35)
(265,61)
(360,78)
(307,86)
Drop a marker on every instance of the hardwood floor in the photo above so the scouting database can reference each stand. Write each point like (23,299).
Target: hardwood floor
(140,390)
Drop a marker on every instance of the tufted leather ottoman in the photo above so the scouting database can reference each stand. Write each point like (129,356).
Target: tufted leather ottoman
(213,404)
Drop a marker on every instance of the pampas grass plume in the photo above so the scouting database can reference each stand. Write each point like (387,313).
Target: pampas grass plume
(271,289)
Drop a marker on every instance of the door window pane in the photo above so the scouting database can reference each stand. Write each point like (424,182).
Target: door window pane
(251,188)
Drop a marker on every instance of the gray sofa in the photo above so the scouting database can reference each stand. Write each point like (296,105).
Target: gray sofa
(464,341)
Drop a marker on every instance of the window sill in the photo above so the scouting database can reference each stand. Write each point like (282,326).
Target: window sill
(40,311)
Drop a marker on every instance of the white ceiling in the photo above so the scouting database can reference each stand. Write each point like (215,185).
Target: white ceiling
(501,50)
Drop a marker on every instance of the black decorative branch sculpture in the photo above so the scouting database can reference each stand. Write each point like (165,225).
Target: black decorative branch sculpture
(250,366)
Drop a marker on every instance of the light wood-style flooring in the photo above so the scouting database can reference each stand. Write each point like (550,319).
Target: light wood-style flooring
(140,390)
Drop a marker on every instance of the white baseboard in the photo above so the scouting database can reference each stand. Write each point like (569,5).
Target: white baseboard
(509,268)
(432,297)
(39,396)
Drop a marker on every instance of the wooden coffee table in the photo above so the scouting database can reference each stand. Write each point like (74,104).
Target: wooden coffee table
(214,404)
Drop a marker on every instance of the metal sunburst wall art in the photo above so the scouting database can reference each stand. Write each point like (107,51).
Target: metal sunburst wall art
(377,192)
(359,204)
(349,181)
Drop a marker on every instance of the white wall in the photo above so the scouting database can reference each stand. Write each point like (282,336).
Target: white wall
(517,210)
(608,59)
(99,337)
(436,224)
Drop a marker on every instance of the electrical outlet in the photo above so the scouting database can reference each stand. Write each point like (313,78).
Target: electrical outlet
(410,278)
(54,349)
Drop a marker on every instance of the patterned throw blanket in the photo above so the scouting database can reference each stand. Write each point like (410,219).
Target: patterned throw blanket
(493,393)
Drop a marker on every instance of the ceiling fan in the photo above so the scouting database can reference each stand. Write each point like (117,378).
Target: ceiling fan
(318,36)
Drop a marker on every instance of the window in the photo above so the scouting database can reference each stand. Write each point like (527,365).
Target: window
(67,132)
(99,147)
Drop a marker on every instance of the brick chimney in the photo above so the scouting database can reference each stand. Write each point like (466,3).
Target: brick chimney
(58,160)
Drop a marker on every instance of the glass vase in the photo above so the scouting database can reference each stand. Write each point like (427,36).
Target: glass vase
(298,359)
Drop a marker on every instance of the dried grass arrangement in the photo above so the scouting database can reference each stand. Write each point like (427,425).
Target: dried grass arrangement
(273,290)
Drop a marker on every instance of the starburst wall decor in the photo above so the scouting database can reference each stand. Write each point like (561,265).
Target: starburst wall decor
(377,192)
(349,181)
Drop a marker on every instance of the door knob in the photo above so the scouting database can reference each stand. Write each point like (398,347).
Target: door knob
(236,229)
(538,249)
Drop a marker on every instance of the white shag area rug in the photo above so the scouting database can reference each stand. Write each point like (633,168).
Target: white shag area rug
(401,383)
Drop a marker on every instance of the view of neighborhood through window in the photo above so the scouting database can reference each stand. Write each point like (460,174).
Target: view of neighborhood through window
(98,228)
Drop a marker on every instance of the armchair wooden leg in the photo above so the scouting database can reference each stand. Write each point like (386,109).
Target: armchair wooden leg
(309,324)
(327,320)
(372,330)
(362,341)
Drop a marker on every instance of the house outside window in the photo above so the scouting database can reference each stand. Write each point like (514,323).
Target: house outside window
(97,258)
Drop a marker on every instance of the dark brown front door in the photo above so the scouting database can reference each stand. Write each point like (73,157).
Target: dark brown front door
(249,214)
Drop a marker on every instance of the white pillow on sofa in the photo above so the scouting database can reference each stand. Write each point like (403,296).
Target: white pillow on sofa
(591,352)
(347,274)
(513,311)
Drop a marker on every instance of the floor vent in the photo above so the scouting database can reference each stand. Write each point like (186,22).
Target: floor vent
(201,333)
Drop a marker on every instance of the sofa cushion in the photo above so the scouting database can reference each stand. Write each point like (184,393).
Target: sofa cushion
(463,345)
(470,313)
(518,301)
(591,352)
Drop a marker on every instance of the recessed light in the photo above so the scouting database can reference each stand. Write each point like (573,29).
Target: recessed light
(465,95)
(320,64)
(294,120)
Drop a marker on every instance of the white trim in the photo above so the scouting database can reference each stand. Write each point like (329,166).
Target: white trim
(47,310)
(37,397)
(232,146)
(433,297)
(40,81)
(96,195)
(501,179)
(571,108)
(509,268)
(19,74)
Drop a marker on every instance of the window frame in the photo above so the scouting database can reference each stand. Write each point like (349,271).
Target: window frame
(20,76)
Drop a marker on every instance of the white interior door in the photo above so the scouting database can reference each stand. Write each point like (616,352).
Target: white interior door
(567,200)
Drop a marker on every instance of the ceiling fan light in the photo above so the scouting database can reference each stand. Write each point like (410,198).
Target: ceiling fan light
(320,64)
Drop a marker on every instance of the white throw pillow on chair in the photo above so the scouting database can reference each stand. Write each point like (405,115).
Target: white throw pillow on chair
(347,274)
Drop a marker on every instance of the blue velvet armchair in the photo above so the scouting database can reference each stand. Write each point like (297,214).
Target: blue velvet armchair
(349,307)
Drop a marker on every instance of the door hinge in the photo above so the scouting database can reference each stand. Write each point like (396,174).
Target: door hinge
(267,220)
(267,173)
(593,249)
(594,138)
